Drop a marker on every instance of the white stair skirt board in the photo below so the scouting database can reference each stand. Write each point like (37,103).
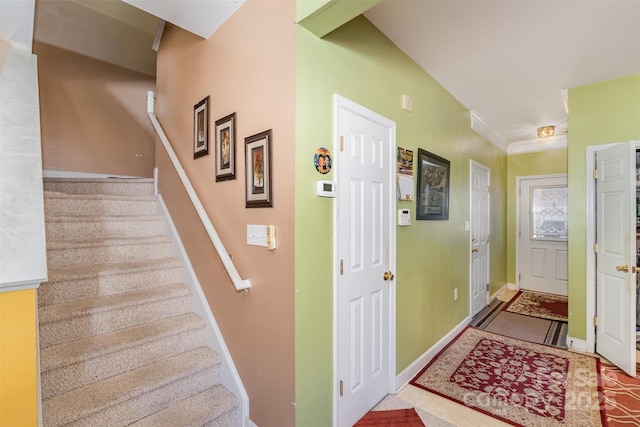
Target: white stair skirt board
(229,376)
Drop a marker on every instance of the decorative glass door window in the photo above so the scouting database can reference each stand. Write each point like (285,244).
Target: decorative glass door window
(549,213)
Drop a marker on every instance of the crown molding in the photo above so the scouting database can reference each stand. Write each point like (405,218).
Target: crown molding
(540,144)
(483,129)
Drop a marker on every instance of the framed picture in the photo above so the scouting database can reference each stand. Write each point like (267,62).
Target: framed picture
(201,128)
(258,170)
(432,201)
(226,148)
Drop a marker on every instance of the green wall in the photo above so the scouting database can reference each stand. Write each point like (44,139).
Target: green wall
(526,164)
(356,61)
(601,113)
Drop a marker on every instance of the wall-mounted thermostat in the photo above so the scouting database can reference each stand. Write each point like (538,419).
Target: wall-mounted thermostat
(326,189)
(404,217)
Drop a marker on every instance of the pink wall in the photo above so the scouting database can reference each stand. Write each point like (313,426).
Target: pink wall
(248,67)
(93,115)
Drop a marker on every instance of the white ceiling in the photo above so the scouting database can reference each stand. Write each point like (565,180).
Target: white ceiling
(201,17)
(510,60)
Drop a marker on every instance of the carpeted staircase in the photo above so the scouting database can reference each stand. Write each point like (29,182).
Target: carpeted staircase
(119,342)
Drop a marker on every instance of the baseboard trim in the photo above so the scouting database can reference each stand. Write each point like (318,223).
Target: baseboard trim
(403,378)
(512,287)
(577,344)
(499,292)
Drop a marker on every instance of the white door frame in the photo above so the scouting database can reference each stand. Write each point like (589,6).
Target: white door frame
(519,180)
(339,103)
(473,163)
(590,344)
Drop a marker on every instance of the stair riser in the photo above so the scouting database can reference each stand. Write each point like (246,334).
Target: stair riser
(65,330)
(139,407)
(60,380)
(81,206)
(224,420)
(113,188)
(58,292)
(62,258)
(70,230)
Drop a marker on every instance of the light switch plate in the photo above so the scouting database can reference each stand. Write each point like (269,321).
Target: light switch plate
(257,235)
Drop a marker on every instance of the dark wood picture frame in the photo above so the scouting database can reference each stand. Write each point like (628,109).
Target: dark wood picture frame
(259,191)
(226,148)
(201,128)
(432,192)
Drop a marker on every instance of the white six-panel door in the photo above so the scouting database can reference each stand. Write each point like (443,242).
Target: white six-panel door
(479,237)
(616,256)
(364,229)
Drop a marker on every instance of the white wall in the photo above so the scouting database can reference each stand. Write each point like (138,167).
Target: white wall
(23,261)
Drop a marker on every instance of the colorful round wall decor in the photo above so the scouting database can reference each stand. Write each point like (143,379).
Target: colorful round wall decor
(322,160)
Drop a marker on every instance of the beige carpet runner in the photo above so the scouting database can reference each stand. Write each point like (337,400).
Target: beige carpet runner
(120,344)
(521,383)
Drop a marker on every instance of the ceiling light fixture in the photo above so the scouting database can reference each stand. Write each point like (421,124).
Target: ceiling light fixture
(546,131)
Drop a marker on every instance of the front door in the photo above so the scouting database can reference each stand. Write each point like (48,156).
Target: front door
(615,258)
(479,237)
(543,235)
(365,259)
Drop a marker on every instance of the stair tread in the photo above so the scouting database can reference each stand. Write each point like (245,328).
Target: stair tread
(80,196)
(103,218)
(110,241)
(112,180)
(198,409)
(92,398)
(68,353)
(111,269)
(71,309)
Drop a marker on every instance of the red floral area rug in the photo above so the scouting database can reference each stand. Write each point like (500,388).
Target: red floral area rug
(621,396)
(544,306)
(521,383)
(391,418)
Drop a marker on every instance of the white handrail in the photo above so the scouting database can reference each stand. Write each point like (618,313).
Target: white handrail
(238,282)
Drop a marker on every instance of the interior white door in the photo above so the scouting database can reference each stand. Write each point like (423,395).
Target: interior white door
(543,235)
(365,297)
(480,177)
(615,258)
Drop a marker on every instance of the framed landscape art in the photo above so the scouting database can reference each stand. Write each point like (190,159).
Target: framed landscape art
(201,128)
(432,201)
(258,170)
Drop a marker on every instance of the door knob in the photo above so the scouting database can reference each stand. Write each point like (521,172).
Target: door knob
(474,250)
(388,275)
(624,268)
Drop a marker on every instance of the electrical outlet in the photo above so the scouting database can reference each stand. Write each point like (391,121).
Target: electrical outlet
(455,294)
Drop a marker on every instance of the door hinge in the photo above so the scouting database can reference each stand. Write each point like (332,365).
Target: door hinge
(595,320)
(595,248)
(341,271)
(519,277)
(487,287)
(487,189)
(341,390)
(341,143)
(595,174)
